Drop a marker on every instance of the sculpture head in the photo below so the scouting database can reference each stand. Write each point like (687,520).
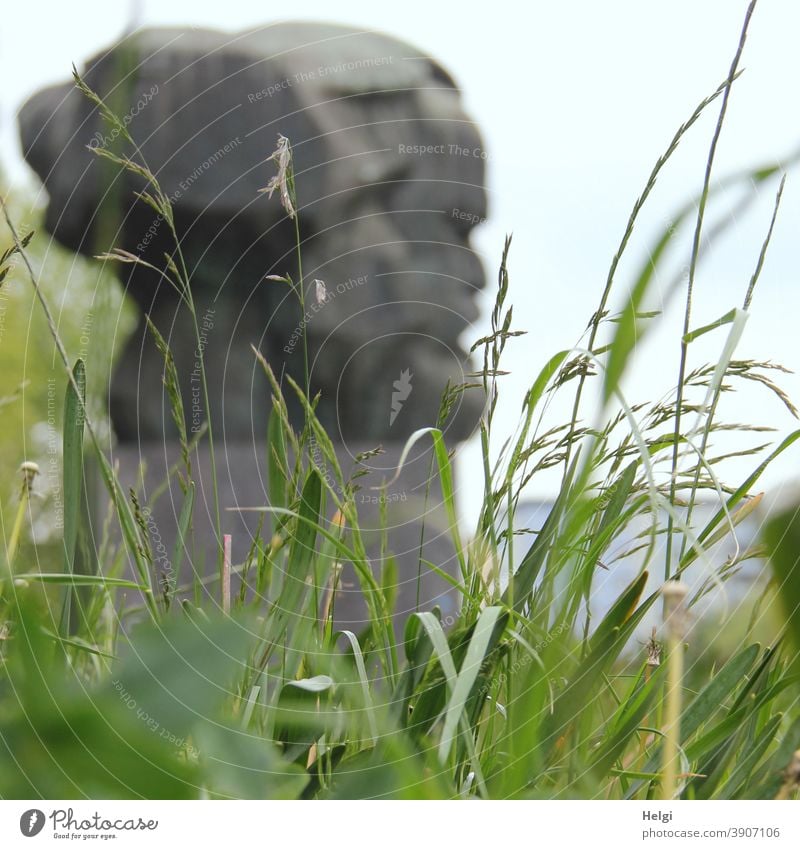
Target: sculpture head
(390,182)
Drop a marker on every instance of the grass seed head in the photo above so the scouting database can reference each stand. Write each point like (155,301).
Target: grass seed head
(282,156)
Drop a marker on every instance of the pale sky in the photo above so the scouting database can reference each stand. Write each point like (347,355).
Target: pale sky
(576,100)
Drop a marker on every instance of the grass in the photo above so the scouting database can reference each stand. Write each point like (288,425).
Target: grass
(531,693)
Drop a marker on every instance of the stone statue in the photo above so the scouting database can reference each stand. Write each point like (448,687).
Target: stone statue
(390,181)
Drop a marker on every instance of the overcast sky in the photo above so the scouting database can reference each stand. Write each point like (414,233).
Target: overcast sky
(576,100)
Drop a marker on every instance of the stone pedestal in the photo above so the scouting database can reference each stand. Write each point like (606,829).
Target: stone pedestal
(242,483)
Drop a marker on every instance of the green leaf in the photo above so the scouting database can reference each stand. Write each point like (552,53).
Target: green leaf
(393,770)
(65,738)
(303,714)
(337,545)
(179,675)
(418,648)
(716,735)
(315,684)
(245,766)
(434,630)
(437,637)
(79,644)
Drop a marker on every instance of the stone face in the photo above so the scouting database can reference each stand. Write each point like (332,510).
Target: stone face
(390,181)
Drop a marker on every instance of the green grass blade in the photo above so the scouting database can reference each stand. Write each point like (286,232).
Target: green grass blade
(74,422)
(182,540)
(130,533)
(532,398)
(446,480)
(299,567)
(620,491)
(364,681)
(171,384)
(738,495)
(437,636)
(78,644)
(627,721)
(621,611)
(707,328)
(80,580)
(519,590)
(630,328)
(708,700)
(749,756)
(276,461)
(304,537)
(476,652)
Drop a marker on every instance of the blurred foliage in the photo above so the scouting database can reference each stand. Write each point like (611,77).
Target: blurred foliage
(93,320)
(782,534)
